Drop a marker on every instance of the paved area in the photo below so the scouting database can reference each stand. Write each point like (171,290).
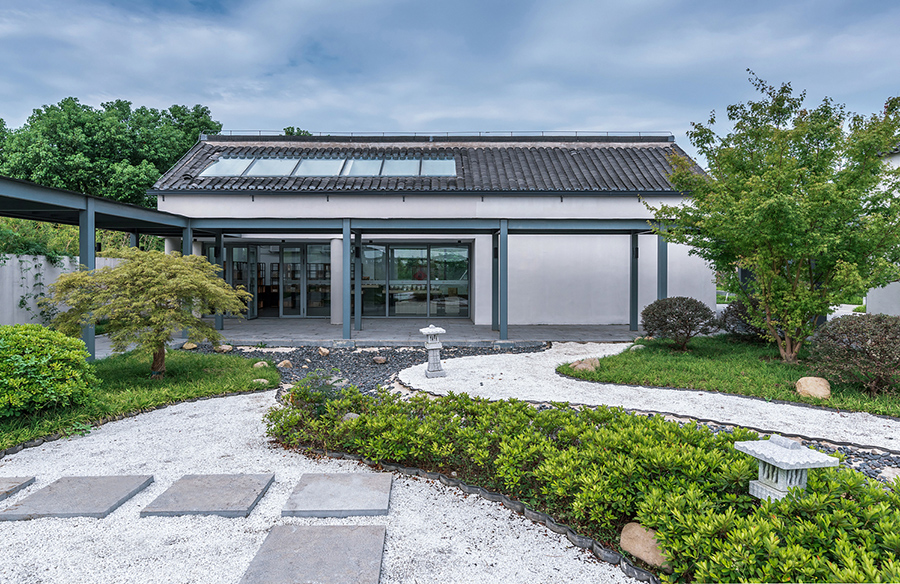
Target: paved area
(12,485)
(77,497)
(334,554)
(225,495)
(339,495)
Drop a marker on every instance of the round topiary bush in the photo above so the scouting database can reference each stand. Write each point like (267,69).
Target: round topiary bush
(679,318)
(41,368)
(863,349)
(736,321)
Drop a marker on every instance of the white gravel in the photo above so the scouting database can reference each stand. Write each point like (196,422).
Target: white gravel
(434,533)
(532,377)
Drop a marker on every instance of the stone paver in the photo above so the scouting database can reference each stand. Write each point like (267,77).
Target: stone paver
(78,497)
(339,495)
(226,495)
(324,554)
(12,485)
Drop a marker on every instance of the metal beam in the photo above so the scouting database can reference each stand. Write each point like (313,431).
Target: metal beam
(633,287)
(426,225)
(87,247)
(662,268)
(535,226)
(357,294)
(261,225)
(345,273)
(503,279)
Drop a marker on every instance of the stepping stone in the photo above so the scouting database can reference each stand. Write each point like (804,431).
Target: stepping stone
(12,485)
(78,497)
(340,495)
(324,554)
(226,495)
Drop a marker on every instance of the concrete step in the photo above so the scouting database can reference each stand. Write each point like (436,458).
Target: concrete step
(77,497)
(226,495)
(340,495)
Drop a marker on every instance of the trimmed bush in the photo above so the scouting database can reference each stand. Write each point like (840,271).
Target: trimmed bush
(863,349)
(736,321)
(678,318)
(40,368)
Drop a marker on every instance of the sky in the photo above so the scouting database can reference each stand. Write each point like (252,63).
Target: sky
(437,66)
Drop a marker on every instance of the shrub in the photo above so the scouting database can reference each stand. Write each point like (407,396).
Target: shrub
(40,368)
(863,349)
(861,308)
(736,321)
(679,318)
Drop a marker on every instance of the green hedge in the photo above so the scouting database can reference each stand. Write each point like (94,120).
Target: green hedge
(40,368)
(597,469)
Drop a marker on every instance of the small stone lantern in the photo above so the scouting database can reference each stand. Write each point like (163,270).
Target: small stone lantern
(782,465)
(433,344)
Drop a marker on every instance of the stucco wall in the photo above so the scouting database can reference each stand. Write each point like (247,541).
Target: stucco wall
(26,276)
(884,300)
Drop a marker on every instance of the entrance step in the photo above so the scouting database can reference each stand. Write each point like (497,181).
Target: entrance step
(226,495)
(78,497)
(325,554)
(339,495)
(12,485)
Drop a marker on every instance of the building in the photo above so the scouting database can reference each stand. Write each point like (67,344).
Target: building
(537,229)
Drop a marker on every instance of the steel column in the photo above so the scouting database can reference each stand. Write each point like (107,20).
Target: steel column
(357,265)
(662,268)
(187,238)
(87,248)
(633,287)
(133,240)
(495,283)
(345,285)
(503,279)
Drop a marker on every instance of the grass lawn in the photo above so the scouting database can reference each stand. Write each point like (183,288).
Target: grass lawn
(719,363)
(126,387)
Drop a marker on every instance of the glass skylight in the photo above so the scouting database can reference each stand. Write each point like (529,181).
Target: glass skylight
(319,167)
(272,167)
(362,167)
(227,167)
(438,167)
(401,167)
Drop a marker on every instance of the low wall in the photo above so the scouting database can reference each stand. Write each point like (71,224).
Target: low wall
(23,279)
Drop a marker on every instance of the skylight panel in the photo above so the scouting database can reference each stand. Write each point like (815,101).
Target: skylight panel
(319,167)
(402,167)
(362,167)
(272,167)
(438,167)
(227,167)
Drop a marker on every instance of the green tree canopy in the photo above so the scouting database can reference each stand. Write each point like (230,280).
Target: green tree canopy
(114,151)
(801,198)
(147,298)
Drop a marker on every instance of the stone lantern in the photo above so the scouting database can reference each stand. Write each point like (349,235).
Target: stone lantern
(782,465)
(433,345)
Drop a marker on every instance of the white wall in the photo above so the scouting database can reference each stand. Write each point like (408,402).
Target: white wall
(25,276)
(884,300)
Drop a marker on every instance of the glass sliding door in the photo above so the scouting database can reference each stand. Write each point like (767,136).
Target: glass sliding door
(318,280)
(408,293)
(292,284)
(252,282)
(374,282)
(449,281)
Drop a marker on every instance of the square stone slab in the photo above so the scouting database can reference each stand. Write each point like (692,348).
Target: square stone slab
(340,495)
(324,554)
(12,485)
(78,497)
(227,495)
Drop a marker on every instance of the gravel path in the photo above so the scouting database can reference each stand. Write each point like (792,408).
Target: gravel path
(434,533)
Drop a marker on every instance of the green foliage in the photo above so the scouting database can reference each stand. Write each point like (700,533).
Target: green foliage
(736,321)
(799,197)
(863,350)
(147,299)
(292,131)
(861,308)
(678,318)
(41,369)
(114,151)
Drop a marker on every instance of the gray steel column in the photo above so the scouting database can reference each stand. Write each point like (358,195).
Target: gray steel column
(633,288)
(187,237)
(503,276)
(87,246)
(495,285)
(662,268)
(220,258)
(345,273)
(132,240)
(357,264)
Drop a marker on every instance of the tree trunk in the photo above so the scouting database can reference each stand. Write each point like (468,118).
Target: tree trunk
(158,367)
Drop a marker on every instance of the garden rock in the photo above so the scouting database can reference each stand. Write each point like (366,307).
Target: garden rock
(641,543)
(350,416)
(189,346)
(323,351)
(223,349)
(286,364)
(816,387)
(379,359)
(636,347)
(259,364)
(586,364)
(261,381)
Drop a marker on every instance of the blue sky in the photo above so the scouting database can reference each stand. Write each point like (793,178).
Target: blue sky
(423,65)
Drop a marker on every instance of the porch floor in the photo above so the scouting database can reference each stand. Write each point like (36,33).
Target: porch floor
(297,332)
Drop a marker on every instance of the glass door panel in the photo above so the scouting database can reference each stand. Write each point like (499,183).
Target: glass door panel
(252,282)
(408,292)
(449,281)
(292,297)
(268,270)
(374,283)
(318,280)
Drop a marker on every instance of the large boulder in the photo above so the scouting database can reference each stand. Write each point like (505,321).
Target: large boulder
(816,387)
(189,346)
(223,349)
(586,364)
(640,542)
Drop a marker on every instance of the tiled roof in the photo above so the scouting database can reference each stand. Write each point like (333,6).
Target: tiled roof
(538,164)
